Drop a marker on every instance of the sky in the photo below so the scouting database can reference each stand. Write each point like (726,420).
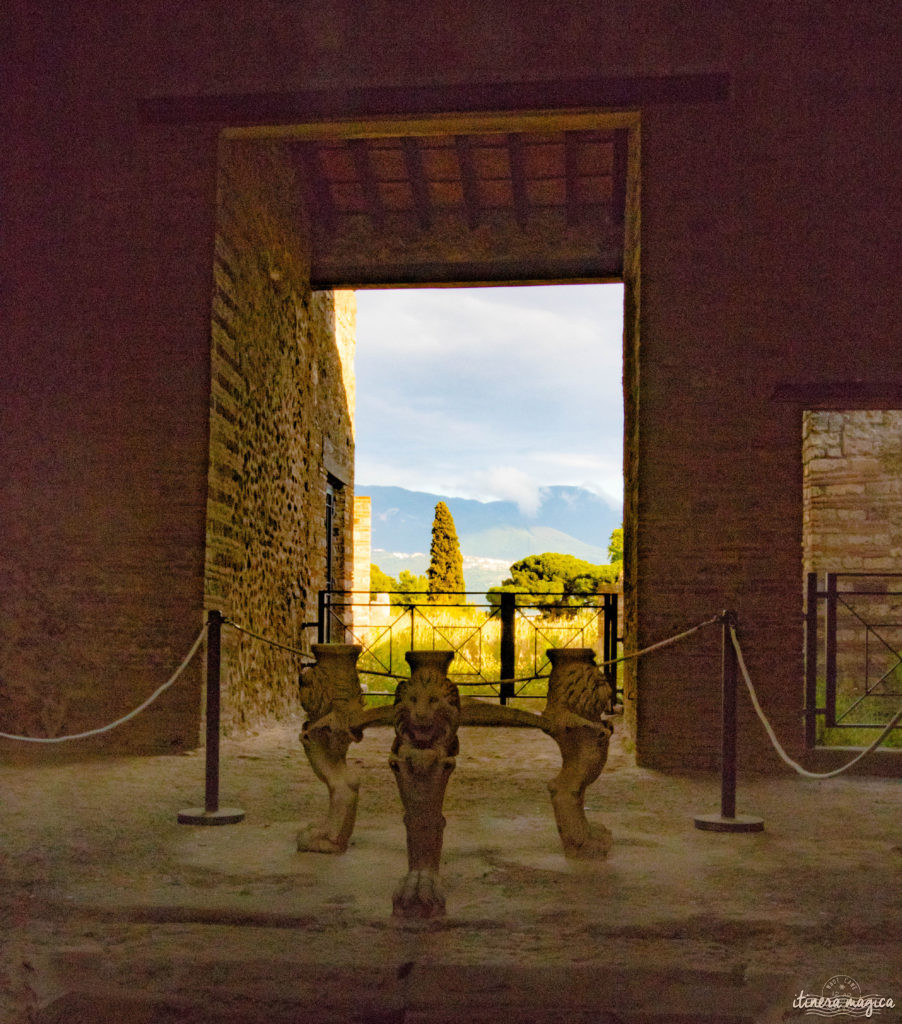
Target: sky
(491,393)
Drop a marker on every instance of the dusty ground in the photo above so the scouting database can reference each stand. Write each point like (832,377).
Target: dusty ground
(112,911)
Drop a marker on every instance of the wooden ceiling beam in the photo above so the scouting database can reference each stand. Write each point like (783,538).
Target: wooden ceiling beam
(590,269)
(356,107)
(360,151)
(518,179)
(413,160)
(618,175)
(571,175)
(316,187)
(468,180)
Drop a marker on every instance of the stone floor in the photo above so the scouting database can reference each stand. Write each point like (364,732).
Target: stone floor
(114,912)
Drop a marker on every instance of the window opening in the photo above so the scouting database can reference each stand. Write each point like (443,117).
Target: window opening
(852,533)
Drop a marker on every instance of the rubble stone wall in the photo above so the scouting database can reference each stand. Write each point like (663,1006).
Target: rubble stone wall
(281,428)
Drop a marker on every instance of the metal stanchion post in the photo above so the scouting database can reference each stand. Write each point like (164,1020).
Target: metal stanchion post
(211,813)
(508,652)
(322,611)
(727,820)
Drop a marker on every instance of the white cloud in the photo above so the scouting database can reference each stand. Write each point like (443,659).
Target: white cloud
(491,392)
(517,330)
(507,483)
(483,562)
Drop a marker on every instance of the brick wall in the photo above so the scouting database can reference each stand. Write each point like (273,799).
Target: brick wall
(853,491)
(766,256)
(103,419)
(281,427)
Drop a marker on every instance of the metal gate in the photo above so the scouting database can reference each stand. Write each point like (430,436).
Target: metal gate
(499,640)
(853,657)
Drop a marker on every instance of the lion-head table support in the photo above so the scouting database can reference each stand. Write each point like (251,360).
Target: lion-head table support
(426,715)
(333,700)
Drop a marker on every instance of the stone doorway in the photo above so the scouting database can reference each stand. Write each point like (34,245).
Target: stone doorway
(306,214)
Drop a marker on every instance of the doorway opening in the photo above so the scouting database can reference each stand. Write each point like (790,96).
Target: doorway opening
(307,216)
(852,535)
(464,397)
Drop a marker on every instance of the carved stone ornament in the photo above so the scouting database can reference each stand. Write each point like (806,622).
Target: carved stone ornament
(579,699)
(426,718)
(332,698)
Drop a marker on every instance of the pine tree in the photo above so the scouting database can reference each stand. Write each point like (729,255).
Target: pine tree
(446,564)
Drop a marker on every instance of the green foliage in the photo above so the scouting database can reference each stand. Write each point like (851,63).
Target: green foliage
(410,583)
(560,580)
(446,565)
(381,582)
(576,575)
(615,546)
(406,583)
(879,708)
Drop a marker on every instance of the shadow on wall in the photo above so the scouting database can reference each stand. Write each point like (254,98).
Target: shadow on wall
(281,430)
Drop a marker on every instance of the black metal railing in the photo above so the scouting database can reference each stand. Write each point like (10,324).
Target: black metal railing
(499,640)
(853,654)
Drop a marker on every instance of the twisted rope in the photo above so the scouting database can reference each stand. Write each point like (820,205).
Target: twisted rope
(266,640)
(661,643)
(894,721)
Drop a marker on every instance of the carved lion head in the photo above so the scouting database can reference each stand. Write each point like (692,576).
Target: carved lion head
(427,710)
(314,692)
(582,689)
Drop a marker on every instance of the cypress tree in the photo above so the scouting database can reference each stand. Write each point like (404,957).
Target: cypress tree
(446,564)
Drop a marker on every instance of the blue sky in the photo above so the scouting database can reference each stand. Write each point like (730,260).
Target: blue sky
(491,393)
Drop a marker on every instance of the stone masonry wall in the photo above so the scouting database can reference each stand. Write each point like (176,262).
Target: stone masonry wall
(281,426)
(853,491)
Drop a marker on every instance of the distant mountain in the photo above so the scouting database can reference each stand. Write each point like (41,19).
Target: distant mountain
(493,534)
(513,542)
(479,573)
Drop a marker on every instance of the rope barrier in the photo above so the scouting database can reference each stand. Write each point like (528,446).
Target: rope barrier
(519,679)
(897,718)
(266,640)
(481,682)
(125,718)
(768,728)
(661,643)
